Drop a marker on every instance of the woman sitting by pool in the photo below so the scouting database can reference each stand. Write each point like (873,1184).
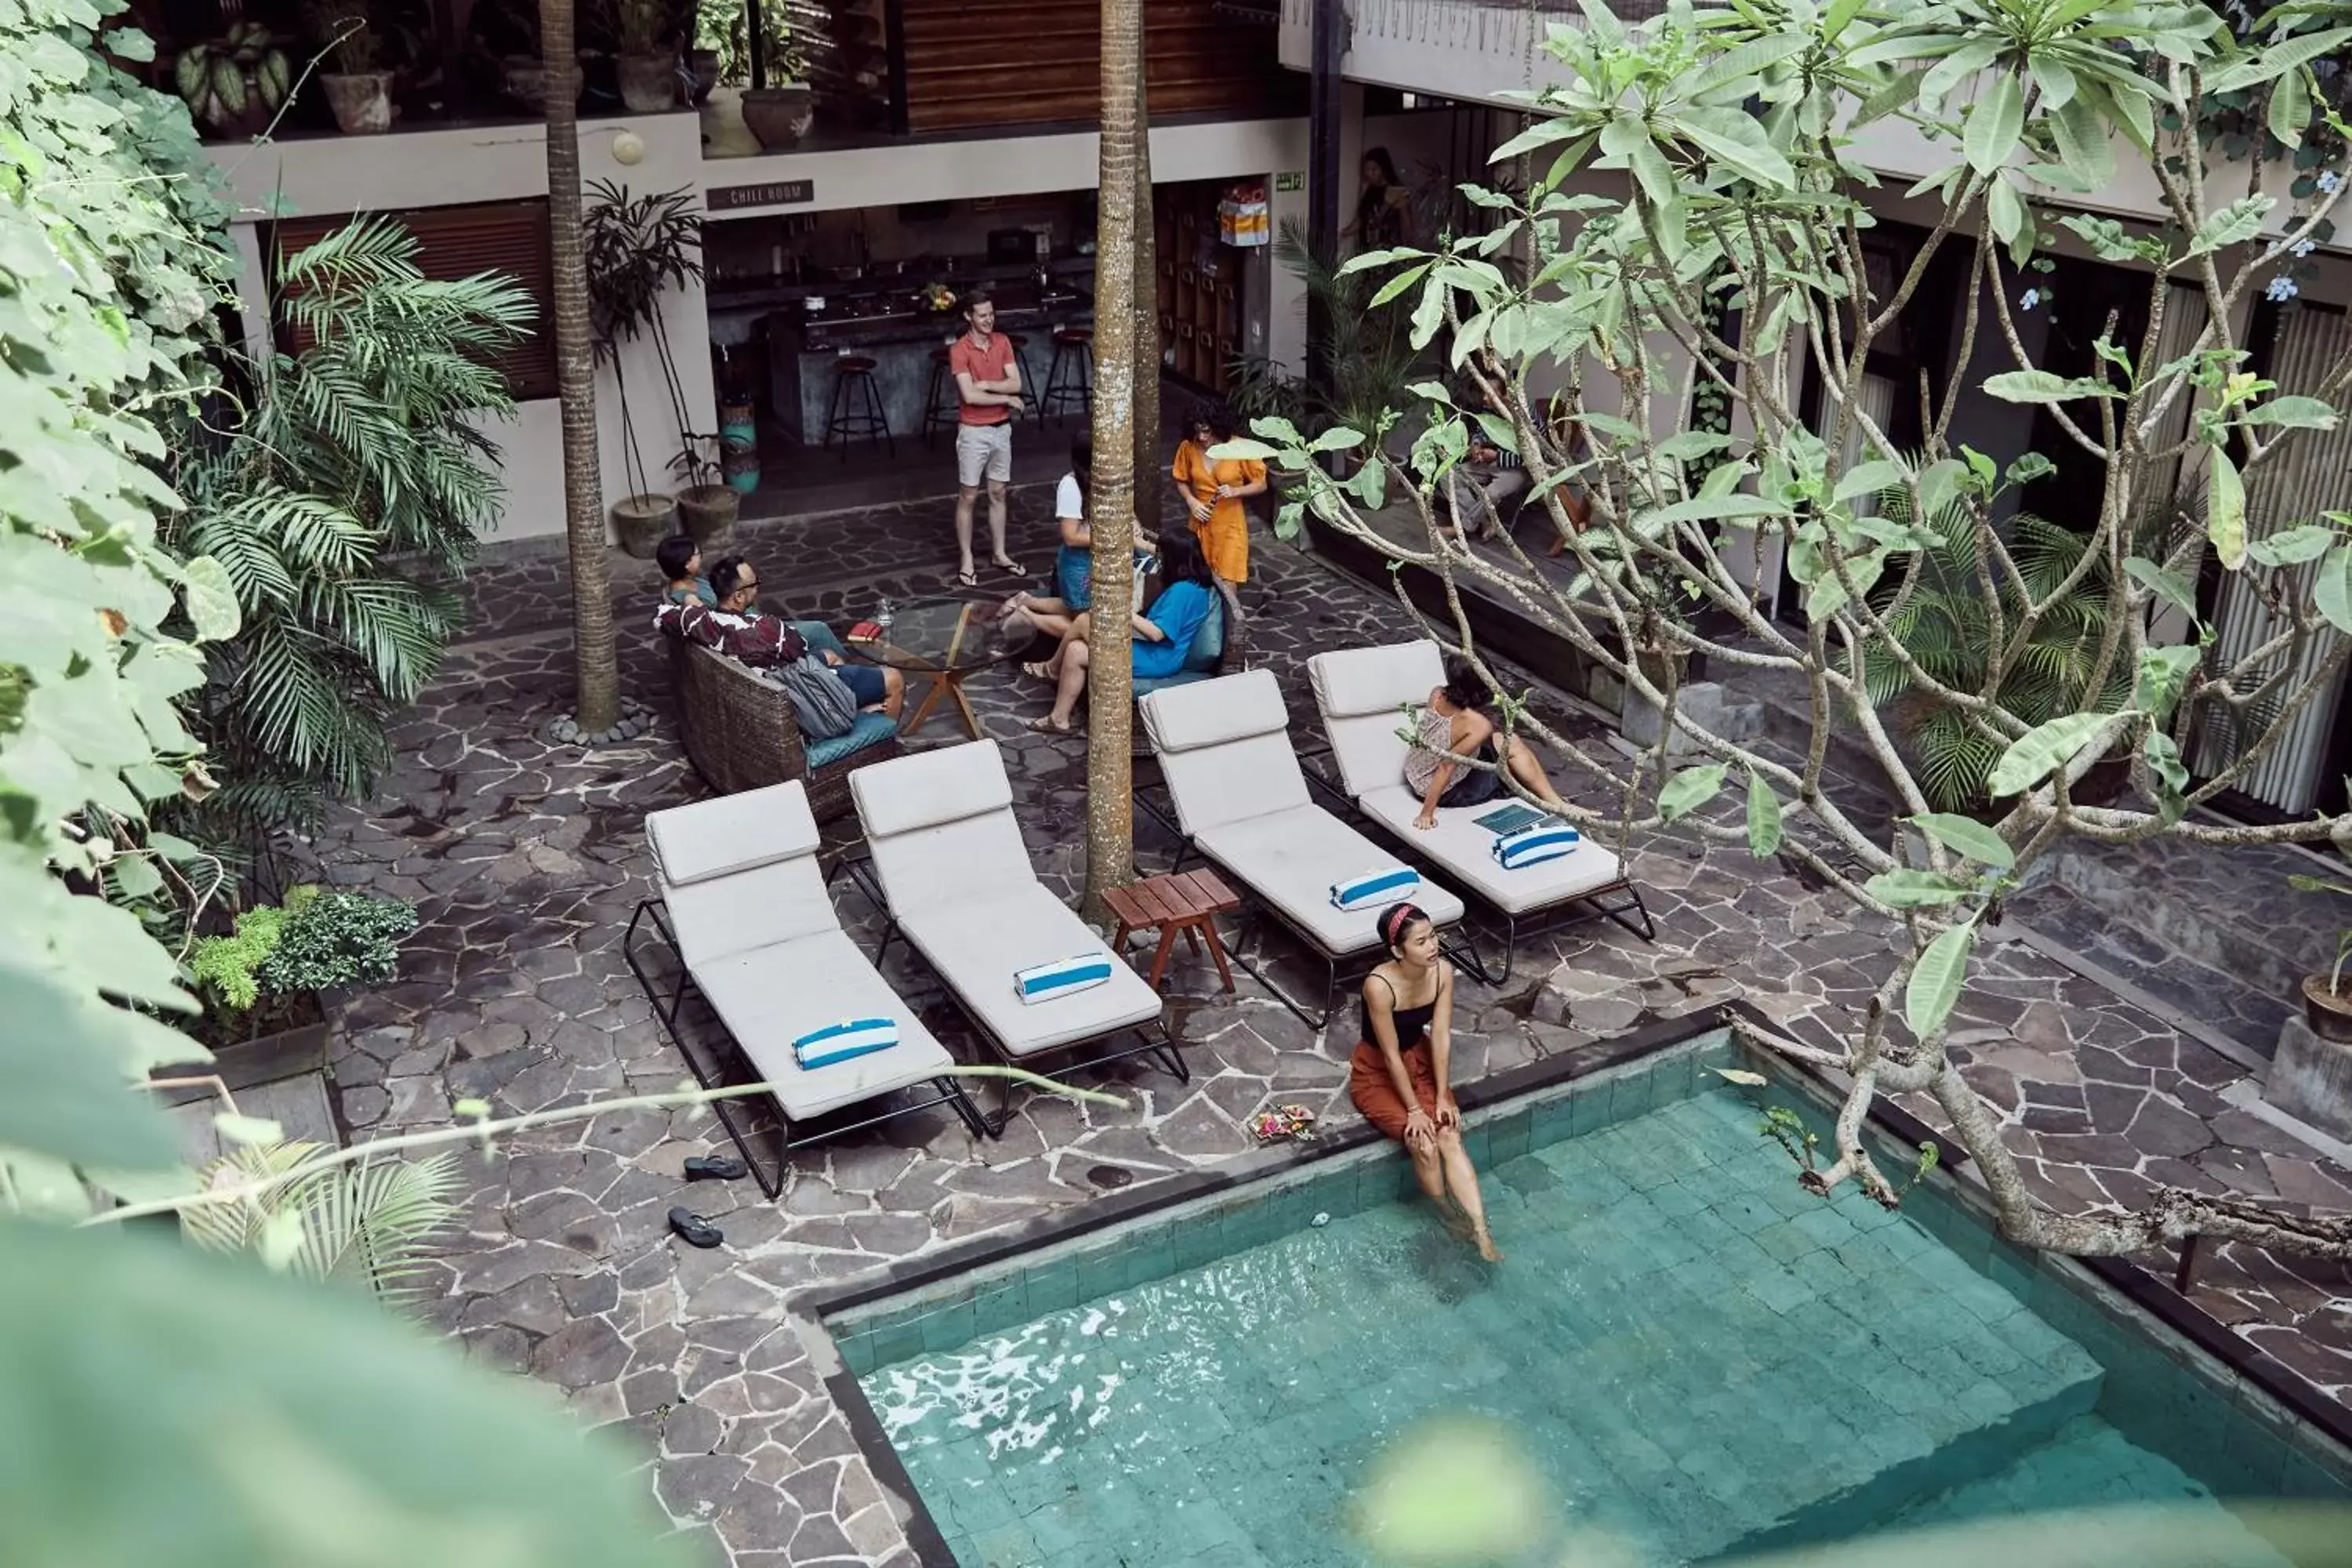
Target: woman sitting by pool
(1398,1076)
(1162,634)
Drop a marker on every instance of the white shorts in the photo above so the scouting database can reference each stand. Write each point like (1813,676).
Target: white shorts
(983,450)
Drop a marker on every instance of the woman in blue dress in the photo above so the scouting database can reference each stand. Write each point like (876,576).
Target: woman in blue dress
(1073,562)
(1162,633)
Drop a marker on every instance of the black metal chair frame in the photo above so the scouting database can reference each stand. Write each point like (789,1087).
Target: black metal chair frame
(1065,390)
(1155,1041)
(943,404)
(858,414)
(668,1009)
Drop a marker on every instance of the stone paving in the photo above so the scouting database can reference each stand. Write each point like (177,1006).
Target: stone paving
(526,862)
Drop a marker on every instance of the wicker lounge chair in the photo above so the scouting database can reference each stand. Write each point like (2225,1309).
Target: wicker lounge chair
(948,867)
(1241,800)
(1363,694)
(740,734)
(745,917)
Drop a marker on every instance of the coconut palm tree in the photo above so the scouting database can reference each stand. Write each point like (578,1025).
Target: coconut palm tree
(1148,461)
(1110,803)
(595,661)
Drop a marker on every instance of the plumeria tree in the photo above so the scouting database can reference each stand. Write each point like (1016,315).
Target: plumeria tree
(1692,250)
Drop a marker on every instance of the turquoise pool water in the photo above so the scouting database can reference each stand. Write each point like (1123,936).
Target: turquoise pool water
(1696,1356)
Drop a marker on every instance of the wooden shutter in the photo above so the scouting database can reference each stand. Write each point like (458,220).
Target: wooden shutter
(506,237)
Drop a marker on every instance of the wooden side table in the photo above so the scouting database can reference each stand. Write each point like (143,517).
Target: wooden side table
(1188,902)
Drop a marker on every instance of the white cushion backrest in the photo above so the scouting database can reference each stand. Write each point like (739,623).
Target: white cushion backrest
(732,833)
(1224,749)
(719,917)
(1363,694)
(940,825)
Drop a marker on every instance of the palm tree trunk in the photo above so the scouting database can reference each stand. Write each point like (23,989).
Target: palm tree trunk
(595,662)
(1149,464)
(1110,802)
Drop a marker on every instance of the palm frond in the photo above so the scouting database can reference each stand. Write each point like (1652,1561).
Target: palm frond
(362,1224)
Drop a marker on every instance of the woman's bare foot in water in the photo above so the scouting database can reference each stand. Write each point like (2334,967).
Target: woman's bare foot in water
(1458,1224)
(1485,1245)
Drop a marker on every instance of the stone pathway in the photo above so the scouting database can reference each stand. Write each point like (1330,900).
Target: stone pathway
(526,863)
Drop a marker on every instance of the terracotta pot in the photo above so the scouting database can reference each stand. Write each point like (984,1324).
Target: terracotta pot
(648,82)
(779,116)
(361,102)
(707,512)
(2329,1012)
(642,523)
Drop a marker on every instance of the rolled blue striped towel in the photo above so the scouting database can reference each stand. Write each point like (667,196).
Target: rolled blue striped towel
(1385,886)
(1533,845)
(1044,982)
(842,1041)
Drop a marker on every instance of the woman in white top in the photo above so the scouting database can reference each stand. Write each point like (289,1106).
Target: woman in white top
(1074,562)
(1453,725)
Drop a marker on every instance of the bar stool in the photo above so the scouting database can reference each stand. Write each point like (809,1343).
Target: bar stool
(855,410)
(1071,381)
(943,406)
(1029,386)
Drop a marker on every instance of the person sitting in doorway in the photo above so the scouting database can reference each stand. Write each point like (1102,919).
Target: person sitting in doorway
(1453,725)
(1074,562)
(1399,1077)
(737,629)
(1162,634)
(1214,489)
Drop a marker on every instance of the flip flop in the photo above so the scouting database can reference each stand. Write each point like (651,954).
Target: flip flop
(1014,568)
(714,1168)
(967,579)
(693,1229)
(1045,726)
(1038,671)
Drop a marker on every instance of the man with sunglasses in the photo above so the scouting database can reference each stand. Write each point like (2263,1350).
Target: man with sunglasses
(738,629)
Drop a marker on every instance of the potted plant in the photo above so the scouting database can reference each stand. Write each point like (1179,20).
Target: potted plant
(646,58)
(2327,1004)
(780,115)
(234,85)
(261,983)
(359,89)
(707,507)
(642,522)
(636,248)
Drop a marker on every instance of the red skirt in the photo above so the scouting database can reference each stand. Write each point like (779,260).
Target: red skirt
(1374,1091)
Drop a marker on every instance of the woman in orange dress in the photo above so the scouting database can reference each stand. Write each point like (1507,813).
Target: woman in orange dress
(1398,1077)
(1214,491)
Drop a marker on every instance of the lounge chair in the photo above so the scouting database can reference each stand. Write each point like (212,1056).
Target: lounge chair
(1364,694)
(744,913)
(1242,801)
(949,868)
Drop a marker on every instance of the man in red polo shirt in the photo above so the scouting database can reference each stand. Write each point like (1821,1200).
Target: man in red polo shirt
(988,383)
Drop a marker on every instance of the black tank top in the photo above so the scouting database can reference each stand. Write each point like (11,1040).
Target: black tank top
(1412,1023)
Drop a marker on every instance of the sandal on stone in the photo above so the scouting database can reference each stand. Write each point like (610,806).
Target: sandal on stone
(967,579)
(714,1168)
(1045,726)
(1041,670)
(693,1229)
(1014,567)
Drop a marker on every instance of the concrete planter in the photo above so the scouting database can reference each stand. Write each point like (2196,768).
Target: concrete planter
(642,523)
(648,82)
(362,102)
(707,512)
(2327,1013)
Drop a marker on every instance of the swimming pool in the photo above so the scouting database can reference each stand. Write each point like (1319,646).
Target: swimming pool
(1691,1354)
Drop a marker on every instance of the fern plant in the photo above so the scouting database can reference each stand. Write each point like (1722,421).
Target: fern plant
(1944,628)
(359,462)
(366,1225)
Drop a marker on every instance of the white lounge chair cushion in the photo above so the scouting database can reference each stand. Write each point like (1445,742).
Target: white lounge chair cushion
(771,996)
(1465,851)
(1290,859)
(928,789)
(732,833)
(1362,693)
(977,944)
(1213,713)
(1224,750)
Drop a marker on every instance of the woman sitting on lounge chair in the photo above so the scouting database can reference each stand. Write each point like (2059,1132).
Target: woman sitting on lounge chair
(1162,634)
(1455,725)
(1398,1077)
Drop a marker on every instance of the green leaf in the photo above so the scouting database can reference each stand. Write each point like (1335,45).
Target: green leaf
(62,1098)
(2225,510)
(2005,210)
(2293,546)
(2233,224)
(135,877)
(352,1437)
(1994,124)
(1396,286)
(1967,836)
(1869,478)
(2332,592)
(2168,585)
(1732,138)
(1763,817)
(1690,789)
(2044,386)
(2032,757)
(1935,981)
(1704,507)
(2082,145)
(2161,676)
(1904,888)
(1687,445)
(2276,60)
(2170,772)
(2294,414)
(2290,108)
(211,599)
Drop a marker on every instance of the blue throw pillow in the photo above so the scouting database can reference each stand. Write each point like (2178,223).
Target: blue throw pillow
(1385,886)
(841,1042)
(1043,982)
(1533,845)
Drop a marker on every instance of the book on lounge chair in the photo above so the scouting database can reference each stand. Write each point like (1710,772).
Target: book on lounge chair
(1513,817)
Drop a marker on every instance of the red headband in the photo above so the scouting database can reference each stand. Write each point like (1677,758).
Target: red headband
(1399,918)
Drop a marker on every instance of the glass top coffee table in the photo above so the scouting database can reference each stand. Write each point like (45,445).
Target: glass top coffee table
(948,640)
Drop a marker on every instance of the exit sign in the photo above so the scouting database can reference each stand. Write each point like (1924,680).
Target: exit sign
(1292,180)
(775,193)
